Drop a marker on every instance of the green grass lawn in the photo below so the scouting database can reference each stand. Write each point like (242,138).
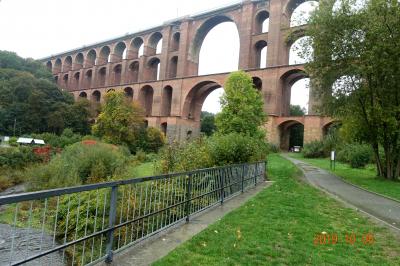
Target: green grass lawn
(365,178)
(279,225)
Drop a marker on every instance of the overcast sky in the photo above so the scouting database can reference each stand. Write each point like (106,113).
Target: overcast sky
(40,28)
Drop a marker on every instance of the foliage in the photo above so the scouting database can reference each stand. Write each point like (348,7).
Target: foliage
(154,139)
(120,122)
(234,148)
(181,157)
(208,123)
(314,149)
(273,148)
(80,163)
(297,110)
(31,101)
(360,59)
(17,157)
(67,138)
(357,155)
(242,107)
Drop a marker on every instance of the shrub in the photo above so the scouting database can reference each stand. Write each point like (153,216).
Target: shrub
(272,148)
(235,148)
(17,157)
(68,137)
(80,163)
(357,155)
(179,157)
(314,149)
(155,139)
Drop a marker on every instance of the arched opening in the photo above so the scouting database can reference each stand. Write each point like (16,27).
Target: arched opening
(83,95)
(257,83)
(49,66)
(155,44)
(331,128)
(120,51)
(295,91)
(133,73)
(146,99)
(136,48)
(65,81)
(291,134)
(67,64)
(215,47)
(88,79)
(154,69)
(166,101)
(302,12)
(96,96)
(77,76)
(175,41)
(173,67)
(91,58)
(128,93)
(262,22)
(102,77)
(164,127)
(56,79)
(261,49)
(301,51)
(201,98)
(79,61)
(110,90)
(117,74)
(105,56)
(57,66)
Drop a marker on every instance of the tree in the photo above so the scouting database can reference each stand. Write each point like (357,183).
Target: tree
(242,107)
(121,122)
(207,123)
(297,110)
(31,102)
(355,73)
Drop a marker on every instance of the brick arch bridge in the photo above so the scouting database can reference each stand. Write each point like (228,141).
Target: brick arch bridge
(166,81)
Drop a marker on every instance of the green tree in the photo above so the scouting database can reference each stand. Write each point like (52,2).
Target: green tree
(242,107)
(121,122)
(297,110)
(208,123)
(355,73)
(31,101)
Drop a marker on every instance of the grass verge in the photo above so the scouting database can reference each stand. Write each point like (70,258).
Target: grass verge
(279,227)
(365,177)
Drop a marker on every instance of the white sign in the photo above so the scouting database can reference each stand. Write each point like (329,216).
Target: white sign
(332,155)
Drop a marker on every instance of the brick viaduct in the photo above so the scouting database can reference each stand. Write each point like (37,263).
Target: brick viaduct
(166,81)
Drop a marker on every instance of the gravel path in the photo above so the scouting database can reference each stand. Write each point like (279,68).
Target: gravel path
(26,243)
(384,209)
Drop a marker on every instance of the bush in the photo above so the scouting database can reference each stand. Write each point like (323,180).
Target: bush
(235,148)
(272,148)
(68,137)
(80,163)
(18,157)
(357,155)
(155,139)
(314,149)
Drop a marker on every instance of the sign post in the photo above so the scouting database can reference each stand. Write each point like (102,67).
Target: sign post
(333,160)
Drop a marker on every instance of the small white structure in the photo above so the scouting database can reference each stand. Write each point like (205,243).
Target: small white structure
(30,141)
(296,149)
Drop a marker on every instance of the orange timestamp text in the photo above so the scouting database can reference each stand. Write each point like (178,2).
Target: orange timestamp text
(348,238)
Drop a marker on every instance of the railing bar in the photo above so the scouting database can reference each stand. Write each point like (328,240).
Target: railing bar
(140,207)
(102,223)
(134,209)
(127,213)
(66,225)
(155,204)
(120,215)
(29,229)
(14,232)
(145,205)
(86,224)
(76,226)
(43,221)
(95,225)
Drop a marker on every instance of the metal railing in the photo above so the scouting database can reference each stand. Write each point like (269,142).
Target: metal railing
(88,224)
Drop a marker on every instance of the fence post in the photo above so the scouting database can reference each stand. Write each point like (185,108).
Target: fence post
(111,223)
(222,186)
(243,169)
(188,196)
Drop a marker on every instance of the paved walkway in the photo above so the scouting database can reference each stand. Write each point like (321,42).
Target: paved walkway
(384,209)
(160,245)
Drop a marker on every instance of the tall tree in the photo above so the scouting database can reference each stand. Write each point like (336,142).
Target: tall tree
(207,123)
(242,107)
(356,72)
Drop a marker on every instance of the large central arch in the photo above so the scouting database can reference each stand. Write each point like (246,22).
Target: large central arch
(201,33)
